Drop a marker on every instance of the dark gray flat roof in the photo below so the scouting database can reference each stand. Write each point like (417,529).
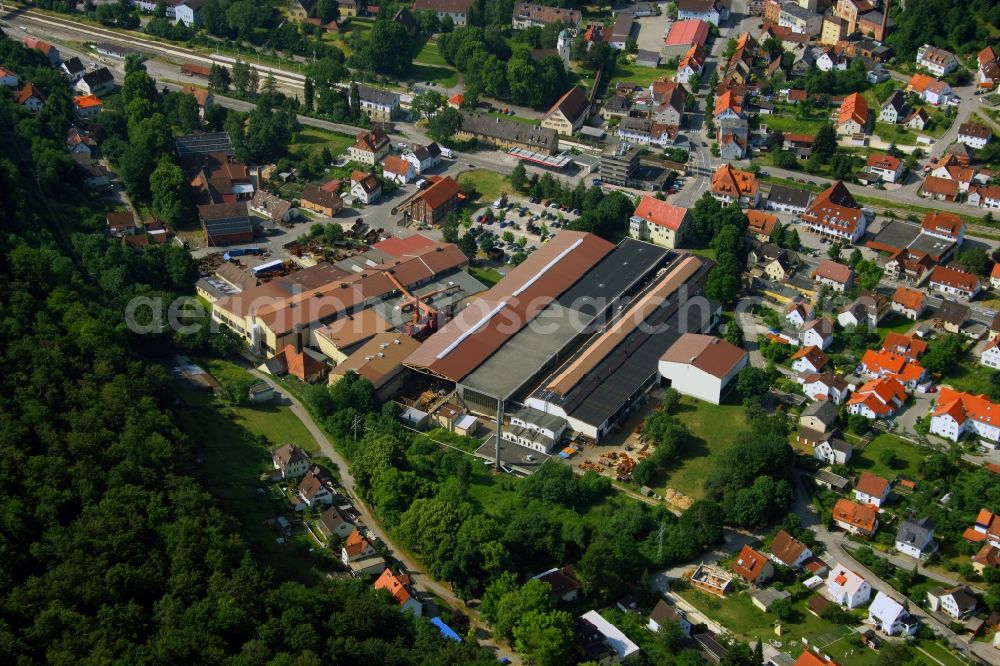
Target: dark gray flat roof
(897,234)
(935,247)
(530,350)
(512,455)
(619,270)
(605,390)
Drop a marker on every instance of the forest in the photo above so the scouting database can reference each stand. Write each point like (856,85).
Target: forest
(110,551)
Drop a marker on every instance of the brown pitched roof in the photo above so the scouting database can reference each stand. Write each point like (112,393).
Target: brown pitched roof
(705,352)
(862,516)
(786,548)
(440,192)
(571,104)
(831,270)
(872,484)
(750,564)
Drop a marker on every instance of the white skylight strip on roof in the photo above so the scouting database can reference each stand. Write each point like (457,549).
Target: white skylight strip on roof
(475,327)
(559,257)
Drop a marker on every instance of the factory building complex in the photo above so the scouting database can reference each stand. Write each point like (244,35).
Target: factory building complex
(568,344)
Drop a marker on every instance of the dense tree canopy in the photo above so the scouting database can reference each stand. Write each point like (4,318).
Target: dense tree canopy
(112,552)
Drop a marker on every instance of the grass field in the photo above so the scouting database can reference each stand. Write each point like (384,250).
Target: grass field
(446,77)
(908,457)
(738,614)
(895,323)
(230,463)
(789,123)
(276,422)
(714,427)
(971,378)
(642,76)
(515,119)
(486,275)
(313,137)
(937,653)
(430,55)
(488,184)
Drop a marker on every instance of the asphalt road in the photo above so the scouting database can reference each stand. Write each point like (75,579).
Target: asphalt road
(420,577)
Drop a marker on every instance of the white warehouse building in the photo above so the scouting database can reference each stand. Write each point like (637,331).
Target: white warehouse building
(702,366)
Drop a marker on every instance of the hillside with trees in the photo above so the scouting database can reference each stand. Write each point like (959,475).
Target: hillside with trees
(110,550)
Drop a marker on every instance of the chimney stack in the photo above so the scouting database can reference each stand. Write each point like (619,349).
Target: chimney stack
(298,338)
(885,22)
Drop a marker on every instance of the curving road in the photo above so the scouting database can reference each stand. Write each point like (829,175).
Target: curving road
(417,572)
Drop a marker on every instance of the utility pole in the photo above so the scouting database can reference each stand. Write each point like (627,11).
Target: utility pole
(496,464)
(354,426)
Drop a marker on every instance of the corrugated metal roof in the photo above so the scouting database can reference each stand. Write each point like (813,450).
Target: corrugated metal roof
(479,330)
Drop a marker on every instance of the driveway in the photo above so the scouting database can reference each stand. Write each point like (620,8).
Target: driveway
(751,329)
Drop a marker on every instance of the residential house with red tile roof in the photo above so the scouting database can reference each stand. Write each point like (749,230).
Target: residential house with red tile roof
(8,79)
(836,214)
(761,224)
(889,169)
(883,363)
(943,225)
(752,566)
(879,398)
(370,147)
(691,64)
(847,588)
(956,413)
(799,312)
(809,360)
(871,489)
(729,185)
(906,345)
(398,170)
(988,67)
(837,276)
(87,106)
(986,529)
(955,282)
(940,189)
(910,303)
(400,588)
(659,222)
(854,116)
(365,187)
(856,518)
(31,97)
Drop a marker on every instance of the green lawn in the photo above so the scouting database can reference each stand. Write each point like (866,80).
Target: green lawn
(430,55)
(970,378)
(790,123)
(230,461)
(486,275)
(895,323)
(642,76)
(489,184)
(707,252)
(275,422)
(515,119)
(445,77)
(738,614)
(908,457)
(774,180)
(313,137)
(714,427)
(938,652)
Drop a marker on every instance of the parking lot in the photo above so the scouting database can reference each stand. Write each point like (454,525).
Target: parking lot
(522,218)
